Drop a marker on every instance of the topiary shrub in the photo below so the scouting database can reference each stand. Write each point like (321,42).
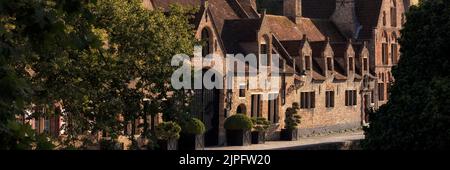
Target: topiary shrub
(292,119)
(167,131)
(260,124)
(193,126)
(238,122)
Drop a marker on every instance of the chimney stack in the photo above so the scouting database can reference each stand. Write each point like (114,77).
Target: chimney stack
(293,10)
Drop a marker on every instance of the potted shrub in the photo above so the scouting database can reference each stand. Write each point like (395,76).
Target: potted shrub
(191,137)
(238,129)
(292,120)
(260,126)
(167,134)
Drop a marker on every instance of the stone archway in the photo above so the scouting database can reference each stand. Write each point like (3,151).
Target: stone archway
(241,109)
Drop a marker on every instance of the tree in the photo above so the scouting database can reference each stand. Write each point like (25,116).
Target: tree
(99,59)
(32,30)
(144,43)
(417,115)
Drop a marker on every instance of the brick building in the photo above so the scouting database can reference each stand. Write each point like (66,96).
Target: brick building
(336,59)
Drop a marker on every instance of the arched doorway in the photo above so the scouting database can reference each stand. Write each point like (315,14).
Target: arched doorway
(206,105)
(241,109)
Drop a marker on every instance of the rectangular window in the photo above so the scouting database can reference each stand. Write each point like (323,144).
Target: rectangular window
(384,54)
(381,91)
(329,98)
(394,53)
(256,105)
(273,108)
(242,90)
(307,100)
(350,97)
(366,64)
(307,63)
(350,64)
(329,64)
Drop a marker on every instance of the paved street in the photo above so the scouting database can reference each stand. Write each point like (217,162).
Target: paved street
(317,142)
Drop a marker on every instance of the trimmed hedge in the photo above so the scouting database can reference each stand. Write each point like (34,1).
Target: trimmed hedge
(193,126)
(238,122)
(167,130)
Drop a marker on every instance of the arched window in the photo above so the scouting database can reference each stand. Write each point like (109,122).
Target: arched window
(393,13)
(206,40)
(384,18)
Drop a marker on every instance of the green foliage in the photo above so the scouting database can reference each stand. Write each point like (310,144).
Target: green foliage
(23,137)
(292,119)
(193,126)
(167,130)
(260,124)
(417,115)
(238,122)
(85,54)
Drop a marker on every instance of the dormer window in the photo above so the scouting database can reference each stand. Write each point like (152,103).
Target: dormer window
(365,64)
(350,64)
(329,64)
(307,63)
